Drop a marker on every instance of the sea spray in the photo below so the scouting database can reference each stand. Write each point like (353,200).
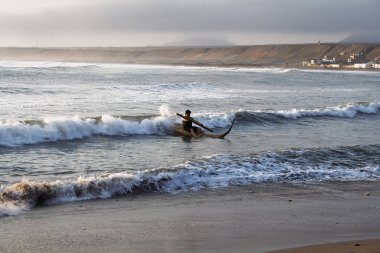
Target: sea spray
(165,111)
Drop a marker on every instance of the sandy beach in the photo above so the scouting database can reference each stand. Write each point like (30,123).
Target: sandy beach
(364,246)
(257,218)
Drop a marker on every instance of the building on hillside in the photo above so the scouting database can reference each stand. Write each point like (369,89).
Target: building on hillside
(312,63)
(360,65)
(357,58)
(326,60)
(329,63)
(354,61)
(372,65)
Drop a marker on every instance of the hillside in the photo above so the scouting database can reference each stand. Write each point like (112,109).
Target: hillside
(264,55)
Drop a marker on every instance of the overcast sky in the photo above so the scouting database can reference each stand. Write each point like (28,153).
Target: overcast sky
(154,22)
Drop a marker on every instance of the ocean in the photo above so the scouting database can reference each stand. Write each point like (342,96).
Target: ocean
(83,131)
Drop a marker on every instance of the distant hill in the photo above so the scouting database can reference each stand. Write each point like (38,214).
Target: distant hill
(199,42)
(373,38)
(260,55)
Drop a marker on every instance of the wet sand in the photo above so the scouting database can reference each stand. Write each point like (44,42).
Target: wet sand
(242,219)
(366,246)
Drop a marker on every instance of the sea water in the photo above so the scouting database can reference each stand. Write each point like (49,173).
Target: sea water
(76,131)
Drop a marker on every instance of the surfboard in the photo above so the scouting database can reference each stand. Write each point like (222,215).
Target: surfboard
(179,131)
(221,136)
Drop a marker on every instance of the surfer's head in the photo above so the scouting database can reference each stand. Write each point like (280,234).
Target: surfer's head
(188,112)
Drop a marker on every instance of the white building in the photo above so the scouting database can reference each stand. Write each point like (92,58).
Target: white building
(327,60)
(360,65)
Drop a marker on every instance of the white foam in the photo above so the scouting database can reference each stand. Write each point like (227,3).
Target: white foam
(165,111)
(351,72)
(54,64)
(42,64)
(345,111)
(14,133)
(12,208)
(222,171)
(215,119)
(273,70)
(17,197)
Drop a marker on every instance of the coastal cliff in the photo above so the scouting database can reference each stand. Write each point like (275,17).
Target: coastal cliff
(260,55)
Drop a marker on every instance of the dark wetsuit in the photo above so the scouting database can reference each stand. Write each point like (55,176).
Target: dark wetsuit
(188,125)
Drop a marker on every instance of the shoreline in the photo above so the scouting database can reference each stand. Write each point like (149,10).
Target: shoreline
(226,66)
(258,56)
(255,218)
(357,246)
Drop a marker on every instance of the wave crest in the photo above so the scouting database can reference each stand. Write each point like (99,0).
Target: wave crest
(345,111)
(282,116)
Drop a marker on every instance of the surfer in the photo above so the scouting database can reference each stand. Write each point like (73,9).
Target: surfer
(187,129)
(187,124)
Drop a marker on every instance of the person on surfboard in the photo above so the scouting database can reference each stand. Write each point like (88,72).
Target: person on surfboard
(187,124)
(187,127)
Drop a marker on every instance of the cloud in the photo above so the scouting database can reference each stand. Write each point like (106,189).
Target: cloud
(198,16)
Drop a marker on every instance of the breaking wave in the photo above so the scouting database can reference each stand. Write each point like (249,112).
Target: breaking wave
(15,133)
(350,163)
(345,111)
(68,128)
(342,111)
(74,65)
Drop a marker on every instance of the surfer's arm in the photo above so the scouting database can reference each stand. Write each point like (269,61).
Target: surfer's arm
(195,121)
